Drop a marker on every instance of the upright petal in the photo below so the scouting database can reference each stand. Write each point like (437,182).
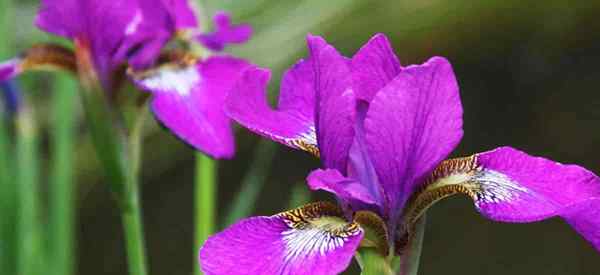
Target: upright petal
(117,30)
(225,33)
(336,103)
(292,124)
(374,66)
(311,240)
(510,186)
(412,124)
(181,13)
(189,99)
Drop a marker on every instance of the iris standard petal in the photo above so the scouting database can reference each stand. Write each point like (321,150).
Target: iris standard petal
(412,124)
(225,33)
(335,104)
(511,186)
(181,13)
(189,99)
(310,240)
(292,124)
(116,30)
(373,67)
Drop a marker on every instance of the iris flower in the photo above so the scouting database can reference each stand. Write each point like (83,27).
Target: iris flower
(383,132)
(112,37)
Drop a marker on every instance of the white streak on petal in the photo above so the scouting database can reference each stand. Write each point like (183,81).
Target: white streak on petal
(497,187)
(134,23)
(179,80)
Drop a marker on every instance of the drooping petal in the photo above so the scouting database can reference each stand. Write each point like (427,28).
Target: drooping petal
(510,186)
(336,103)
(350,191)
(189,99)
(584,217)
(310,240)
(292,124)
(412,124)
(39,57)
(9,69)
(225,33)
(373,67)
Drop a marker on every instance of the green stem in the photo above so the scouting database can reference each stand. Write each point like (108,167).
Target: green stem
(412,255)
(134,231)
(121,167)
(30,254)
(61,201)
(131,208)
(373,263)
(205,201)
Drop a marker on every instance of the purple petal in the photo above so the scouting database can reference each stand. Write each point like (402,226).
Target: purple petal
(303,241)
(517,187)
(350,191)
(412,124)
(181,13)
(292,124)
(189,101)
(116,30)
(9,69)
(585,218)
(373,67)
(336,104)
(511,186)
(225,33)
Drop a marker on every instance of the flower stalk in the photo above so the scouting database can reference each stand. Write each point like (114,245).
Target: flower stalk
(62,202)
(29,254)
(119,152)
(371,262)
(205,188)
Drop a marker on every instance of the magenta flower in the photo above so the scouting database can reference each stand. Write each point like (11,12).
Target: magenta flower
(382,131)
(188,93)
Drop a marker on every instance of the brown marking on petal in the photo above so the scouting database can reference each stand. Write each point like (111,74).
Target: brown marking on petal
(376,231)
(308,147)
(171,60)
(451,177)
(48,56)
(320,215)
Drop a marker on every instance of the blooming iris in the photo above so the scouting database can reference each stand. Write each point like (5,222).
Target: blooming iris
(188,92)
(382,132)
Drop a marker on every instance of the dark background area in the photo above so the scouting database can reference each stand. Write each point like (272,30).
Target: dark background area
(528,74)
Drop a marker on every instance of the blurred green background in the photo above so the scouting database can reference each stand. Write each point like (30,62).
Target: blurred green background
(528,75)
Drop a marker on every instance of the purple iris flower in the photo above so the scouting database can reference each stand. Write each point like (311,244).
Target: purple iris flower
(188,92)
(383,132)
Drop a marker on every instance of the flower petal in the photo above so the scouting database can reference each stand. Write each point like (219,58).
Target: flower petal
(9,69)
(292,124)
(336,103)
(510,186)
(225,33)
(189,100)
(585,218)
(412,124)
(39,57)
(181,13)
(313,239)
(350,191)
(374,66)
